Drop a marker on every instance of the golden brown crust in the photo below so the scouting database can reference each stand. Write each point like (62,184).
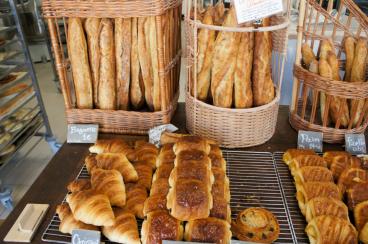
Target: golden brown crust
(194,171)
(79,185)
(325,206)
(152,40)
(356,194)
(160,187)
(325,70)
(326,45)
(221,209)
(361,215)
(144,171)
(307,55)
(342,162)
(351,176)
(136,196)
(291,153)
(111,146)
(328,156)
(313,173)
(307,160)
(192,142)
(154,203)
(349,47)
(163,172)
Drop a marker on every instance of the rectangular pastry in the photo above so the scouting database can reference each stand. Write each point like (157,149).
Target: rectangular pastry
(194,156)
(192,171)
(221,186)
(290,154)
(163,172)
(312,173)
(325,206)
(154,203)
(160,187)
(307,160)
(192,142)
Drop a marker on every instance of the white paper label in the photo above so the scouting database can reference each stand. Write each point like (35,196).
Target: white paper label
(154,134)
(248,10)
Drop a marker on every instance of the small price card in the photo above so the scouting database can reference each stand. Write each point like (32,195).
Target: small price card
(355,144)
(154,134)
(248,10)
(310,140)
(82,133)
(86,236)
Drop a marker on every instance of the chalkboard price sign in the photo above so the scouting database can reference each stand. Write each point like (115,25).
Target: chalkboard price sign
(82,133)
(86,236)
(310,140)
(355,144)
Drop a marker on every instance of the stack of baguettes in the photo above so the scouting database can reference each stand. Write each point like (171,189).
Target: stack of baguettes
(115,62)
(115,194)
(321,200)
(190,188)
(233,68)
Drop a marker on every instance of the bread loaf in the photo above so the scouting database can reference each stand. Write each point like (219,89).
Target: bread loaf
(107,85)
(263,88)
(219,12)
(325,46)
(349,46)
(78,55)
(307,55)
(325,71)
(152,40)
(123,40)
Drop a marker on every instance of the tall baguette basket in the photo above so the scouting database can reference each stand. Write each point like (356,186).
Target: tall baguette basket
(317,23)
(167,14)
(235,128)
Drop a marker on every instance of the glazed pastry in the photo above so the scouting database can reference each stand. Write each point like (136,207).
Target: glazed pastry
(221,209)
(198,231)
(351,176)
(136,195)
(111,146)
(361,215)
(125,229)
(79,185)
(290,154)
(308,160)
(310,190)
(186,204)
(91,208)
(160,225)
(217,161)
(166,155)
(119,162)
(356,194)
(163,172)
(340,163)
(325,206)
(192,142)
(194,156)
(192,171)
(216,150)
(160,187)
(329,156)
(256,225)
(109,183)
(67,221)
(154,203)
(144,171)
(312,173)
(330,229)
(169,137)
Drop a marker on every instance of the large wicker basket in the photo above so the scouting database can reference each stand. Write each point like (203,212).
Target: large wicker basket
(57,12)
(304,109)
(235,128)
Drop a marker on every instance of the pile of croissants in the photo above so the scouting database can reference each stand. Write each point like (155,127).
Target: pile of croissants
(327,65)
(115,62)
(322,183)
(232,69)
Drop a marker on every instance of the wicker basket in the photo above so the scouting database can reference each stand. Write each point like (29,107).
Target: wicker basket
(304,109)
(57,12)
(235,128)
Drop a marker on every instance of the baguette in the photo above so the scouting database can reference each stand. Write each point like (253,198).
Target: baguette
(92,27)
(219,13)
(324,71)
(123,40)
(222,76)
(325,47)
(151,38)
(206,40)
(243,95)
(307,55)
(137,86)
(78,54)
(349,46)
(106,86)
(263,88)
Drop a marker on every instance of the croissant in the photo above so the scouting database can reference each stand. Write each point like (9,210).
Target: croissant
(221,209)
(136,195)
(68,223)
(111,146)
(193,171)
(192,142)
(159,226)
(310,190)
(356,194)
(361,220)
(325,206)
(328,156)
(125,229)
(331,229)
(256,225)
(198,231)
(144,170)
(110,183)
(146,152)
(119,162)
(290,154)
(340,163)
(79,185)
(154,203)
(312,173)
(163,172)
(91,208)
(308,160)
(160,187)
(91,163)
(166,156)
(351,176)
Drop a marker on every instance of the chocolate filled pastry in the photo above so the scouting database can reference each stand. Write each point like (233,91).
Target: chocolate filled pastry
(292,153)
(256,225)
(312,173)
(193,156)
(193,171)
(160,187)
(159,226)
(310,190)
(154,203)
(329,156)
(356,194)
(331,229)
(325,206)
(189,200)
(217,161)
(340,163)
(351,176)
(361,220)
(308,160)
(144,171)
(79,185)
(163,172)
(192,142)
(210,230)
(136,196)
(166,156)
(221,209)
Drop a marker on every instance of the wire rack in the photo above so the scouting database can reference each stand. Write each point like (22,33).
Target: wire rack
(287,183)
(254,182)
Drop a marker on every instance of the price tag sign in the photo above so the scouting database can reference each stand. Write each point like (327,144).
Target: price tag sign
(355,144)
(86,236)
(310,140)
(154,134)
(82,133)
(248,10)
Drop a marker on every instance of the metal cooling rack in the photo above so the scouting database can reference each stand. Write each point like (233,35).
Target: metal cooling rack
(287,184)
(254,182)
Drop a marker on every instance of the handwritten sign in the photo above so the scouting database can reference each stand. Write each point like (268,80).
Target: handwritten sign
(82,133)
(355,144)
(310,140)
(154,134)
(86,237)
(248,10)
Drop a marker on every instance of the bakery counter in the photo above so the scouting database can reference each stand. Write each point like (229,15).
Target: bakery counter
(50,187)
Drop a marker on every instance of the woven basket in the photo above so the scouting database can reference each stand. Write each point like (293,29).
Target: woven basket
(57,12)
(304,109)
(235,128)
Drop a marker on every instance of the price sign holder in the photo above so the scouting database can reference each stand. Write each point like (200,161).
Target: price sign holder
(310,140)
(86,236)
(355,144)
(248,10)
(82,133)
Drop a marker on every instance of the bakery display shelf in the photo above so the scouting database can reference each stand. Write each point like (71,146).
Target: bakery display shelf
(21,76)
(22,121)
(19,105)
(253,183)
(8,69)
(287,184)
